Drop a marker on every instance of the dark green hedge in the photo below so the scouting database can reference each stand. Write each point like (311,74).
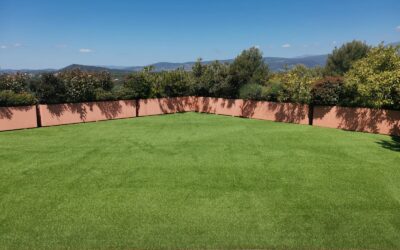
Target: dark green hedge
(9,98)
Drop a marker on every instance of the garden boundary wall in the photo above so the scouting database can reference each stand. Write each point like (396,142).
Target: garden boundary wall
(348,118)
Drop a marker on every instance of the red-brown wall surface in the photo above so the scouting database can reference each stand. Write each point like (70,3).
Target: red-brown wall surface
(219,106)
(206,104)
(158,106)
(17,117)
(279,112)
(58,114)
(232,107)
(358,119)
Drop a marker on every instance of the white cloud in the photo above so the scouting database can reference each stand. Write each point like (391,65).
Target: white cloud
(286,45)
(334,42)
(85,50)
(256,46)
(3,47)
(61,46)
(398,28)
(17,45)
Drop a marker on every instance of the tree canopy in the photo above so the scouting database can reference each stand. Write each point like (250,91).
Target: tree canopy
(341,59)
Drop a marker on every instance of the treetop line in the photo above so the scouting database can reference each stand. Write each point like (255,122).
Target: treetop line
(355,75)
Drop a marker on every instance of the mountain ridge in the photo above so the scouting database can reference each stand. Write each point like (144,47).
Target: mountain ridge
(274,63)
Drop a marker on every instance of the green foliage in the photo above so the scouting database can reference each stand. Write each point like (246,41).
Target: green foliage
(15,82)
(104,95)
(175,83)
(297,83)
(103,80)
(251,91)
(272,91)
(49,89)
(211,80)
(376,78)
(341,59)
(81,85)
(373,81)
(10,98)
(14,90)
(248,67)
(137,85)
(198,69)
(328,91)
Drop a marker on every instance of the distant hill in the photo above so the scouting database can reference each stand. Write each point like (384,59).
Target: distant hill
(274,63)
(29,71)
(394,44)
(92,68)
(278,63)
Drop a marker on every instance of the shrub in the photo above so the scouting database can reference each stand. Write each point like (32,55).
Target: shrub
(17,83)
(272,91)
(249,67)
(137,85)
(251,91)
(103,95)
(327,91)
(81,86)
(9,98)
(103,80)
(296,84)
(214,80)
(376,78)
(49,89)
(175,83)
(341,59)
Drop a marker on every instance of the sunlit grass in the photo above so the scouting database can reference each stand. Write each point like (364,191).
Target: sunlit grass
(198,181)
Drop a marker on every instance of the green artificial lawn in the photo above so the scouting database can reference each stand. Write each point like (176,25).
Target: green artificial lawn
(198,181)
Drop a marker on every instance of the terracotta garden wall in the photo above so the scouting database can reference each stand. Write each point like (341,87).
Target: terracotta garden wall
(358,119)
(205,105)
(59,114)
(17,117)
(232,107)
(273,111)
(159,106)
(281,112)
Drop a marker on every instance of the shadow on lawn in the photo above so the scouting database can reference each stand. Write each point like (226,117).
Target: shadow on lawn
(393,145)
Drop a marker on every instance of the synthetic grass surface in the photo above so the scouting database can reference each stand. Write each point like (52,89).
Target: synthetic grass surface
(198,181)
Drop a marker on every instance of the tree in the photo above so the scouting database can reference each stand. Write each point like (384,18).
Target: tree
(297,83)
(341,59)
(214,80)
(328,91)
(251,91)
(198,68)
(50,89)
(17,83)
(248,67)
(137,85)
(175,83)
(376,78)
(83,86)
(14,90)
(103,80)
(200,86)
(148,69)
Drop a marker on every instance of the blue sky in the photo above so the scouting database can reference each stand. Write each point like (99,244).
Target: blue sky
(53,34)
